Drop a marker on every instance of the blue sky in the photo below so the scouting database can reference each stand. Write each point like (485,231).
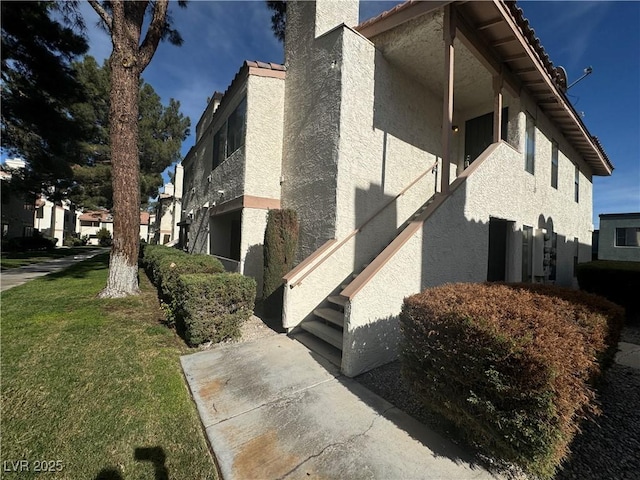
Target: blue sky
(218,36)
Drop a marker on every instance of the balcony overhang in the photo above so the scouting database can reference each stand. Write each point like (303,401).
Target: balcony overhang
(500,38)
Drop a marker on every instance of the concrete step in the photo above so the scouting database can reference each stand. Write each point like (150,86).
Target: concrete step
(337,300)
(331,315)
(324,332)
(316,345)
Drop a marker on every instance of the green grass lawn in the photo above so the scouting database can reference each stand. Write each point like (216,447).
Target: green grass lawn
(19,259)
(95,384)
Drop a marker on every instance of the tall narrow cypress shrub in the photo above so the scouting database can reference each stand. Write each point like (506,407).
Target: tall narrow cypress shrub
(280,245)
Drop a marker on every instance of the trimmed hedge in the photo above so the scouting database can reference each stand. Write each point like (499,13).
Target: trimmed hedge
(34,243)
(206,303)
(280,246)
(512,366)
(213,307)
(617,281)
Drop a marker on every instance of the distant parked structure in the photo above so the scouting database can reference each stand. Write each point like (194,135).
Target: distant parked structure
(619,237)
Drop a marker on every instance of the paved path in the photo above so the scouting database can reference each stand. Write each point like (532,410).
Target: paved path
(17,276)
(273,409)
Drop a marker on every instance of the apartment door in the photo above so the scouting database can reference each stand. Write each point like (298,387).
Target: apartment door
(497,257)
(478,134)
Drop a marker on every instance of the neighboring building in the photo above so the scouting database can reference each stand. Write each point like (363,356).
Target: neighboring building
(619,237)
(17,207)
(91,221)
(432,144)
(169,210)
(56,220)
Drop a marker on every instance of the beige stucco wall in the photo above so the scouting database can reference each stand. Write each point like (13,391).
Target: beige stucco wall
(265,98)
(388,135)
(452,246)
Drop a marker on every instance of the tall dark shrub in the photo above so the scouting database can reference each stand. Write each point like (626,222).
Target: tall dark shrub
(280,245)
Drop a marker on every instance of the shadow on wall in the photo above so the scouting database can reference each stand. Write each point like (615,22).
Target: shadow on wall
(454,249)
(254,266)
(380,231)
(404,109)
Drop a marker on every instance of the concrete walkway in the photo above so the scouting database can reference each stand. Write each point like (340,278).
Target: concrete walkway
(272,409)
(628,355)
(17,276)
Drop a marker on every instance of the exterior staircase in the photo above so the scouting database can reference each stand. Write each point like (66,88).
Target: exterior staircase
(323,333)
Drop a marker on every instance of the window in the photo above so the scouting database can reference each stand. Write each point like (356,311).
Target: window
(527,240)
(27,232)
(40,212)
(220,146)
(554,164)
(230,136)
(576,183)
(530,144)
(236,124)
(628,237)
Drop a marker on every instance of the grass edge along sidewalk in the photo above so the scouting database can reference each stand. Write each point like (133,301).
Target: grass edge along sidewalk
(13,260)
(93,388)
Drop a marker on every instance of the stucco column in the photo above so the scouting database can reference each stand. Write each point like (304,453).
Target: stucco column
(449,34)
(497,107)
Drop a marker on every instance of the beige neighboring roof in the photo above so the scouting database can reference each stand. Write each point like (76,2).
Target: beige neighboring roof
(504,32)
(95,216)
(105,216)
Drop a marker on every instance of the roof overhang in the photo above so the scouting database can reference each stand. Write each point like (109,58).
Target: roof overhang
(499,35)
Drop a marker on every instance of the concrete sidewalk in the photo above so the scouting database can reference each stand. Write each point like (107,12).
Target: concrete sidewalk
(628,355)
(17,276)
(273,409)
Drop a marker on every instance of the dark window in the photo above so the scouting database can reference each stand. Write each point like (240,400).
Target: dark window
(235,132)
(220,146)
(554,164)
(230,136)
(576,182)
(40,212)
(628,237)
(530,144)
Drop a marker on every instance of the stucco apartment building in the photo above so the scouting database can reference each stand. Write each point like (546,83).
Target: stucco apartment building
(169,210)
(90,221)
(55,219)
(434,143)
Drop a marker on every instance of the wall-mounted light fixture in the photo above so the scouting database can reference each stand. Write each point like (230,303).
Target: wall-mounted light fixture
(455,128)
